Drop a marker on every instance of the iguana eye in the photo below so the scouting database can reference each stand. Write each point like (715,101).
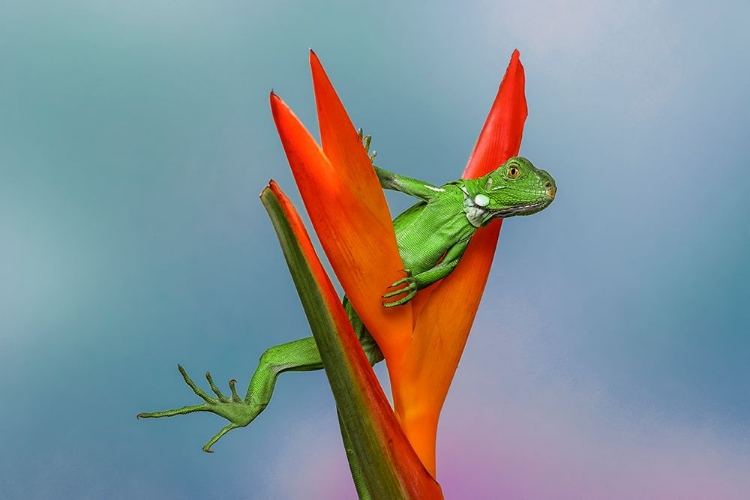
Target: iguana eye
(513,172)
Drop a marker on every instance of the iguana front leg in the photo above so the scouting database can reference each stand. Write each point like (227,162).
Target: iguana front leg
(389,180)
(407,185)
(410,285)
(299,355)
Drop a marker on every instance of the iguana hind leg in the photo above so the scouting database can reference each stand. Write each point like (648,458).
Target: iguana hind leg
(301,355)
(298,355)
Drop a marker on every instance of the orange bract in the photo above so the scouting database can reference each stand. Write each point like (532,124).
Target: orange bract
(343,148)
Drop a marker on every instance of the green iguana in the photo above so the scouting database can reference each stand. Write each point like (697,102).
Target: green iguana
(432,236)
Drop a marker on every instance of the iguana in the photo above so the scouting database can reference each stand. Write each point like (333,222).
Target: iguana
(432,236)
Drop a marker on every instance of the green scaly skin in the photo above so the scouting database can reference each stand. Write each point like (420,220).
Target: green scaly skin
(432,237)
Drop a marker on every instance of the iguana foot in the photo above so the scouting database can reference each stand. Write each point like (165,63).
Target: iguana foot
(366,140)
(239,412)
(409,288)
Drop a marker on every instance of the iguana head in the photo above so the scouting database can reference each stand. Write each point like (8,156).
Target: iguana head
(517,187)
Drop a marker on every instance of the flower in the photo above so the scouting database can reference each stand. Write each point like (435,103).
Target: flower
(422,341)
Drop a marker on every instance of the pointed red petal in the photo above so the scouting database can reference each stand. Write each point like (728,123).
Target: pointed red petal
(444,323)
(354,239)
(500,138)
(341,145)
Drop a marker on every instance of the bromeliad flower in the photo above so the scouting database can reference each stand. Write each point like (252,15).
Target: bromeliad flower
(450,235)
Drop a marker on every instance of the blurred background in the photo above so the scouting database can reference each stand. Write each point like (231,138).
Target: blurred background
(609,358)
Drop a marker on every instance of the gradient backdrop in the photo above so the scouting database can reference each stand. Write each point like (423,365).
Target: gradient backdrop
(609,359)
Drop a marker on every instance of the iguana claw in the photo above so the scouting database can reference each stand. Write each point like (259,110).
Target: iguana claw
(366,140)
(410,289)
(239,412)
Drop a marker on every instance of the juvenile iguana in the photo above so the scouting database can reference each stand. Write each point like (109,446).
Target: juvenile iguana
(432,236)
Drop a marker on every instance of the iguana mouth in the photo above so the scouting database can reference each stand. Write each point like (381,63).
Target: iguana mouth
(520,209)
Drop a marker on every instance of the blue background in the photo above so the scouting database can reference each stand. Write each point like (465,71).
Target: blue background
(609,358)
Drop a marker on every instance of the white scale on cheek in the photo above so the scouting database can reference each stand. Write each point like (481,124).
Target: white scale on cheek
(481,200)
